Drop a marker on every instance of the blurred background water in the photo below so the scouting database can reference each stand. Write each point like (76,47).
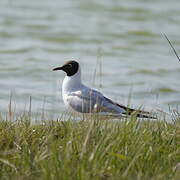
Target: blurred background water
(118,42)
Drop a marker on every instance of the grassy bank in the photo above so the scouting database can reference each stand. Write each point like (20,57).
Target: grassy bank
(91,149)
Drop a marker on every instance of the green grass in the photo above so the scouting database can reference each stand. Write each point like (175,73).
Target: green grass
(90,149)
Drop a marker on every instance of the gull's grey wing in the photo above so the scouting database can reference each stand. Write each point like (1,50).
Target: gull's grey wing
(89,100)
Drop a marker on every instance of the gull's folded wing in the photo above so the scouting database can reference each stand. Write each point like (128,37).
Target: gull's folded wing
(92,101)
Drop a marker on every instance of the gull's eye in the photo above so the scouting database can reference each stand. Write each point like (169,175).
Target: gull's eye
(70,65)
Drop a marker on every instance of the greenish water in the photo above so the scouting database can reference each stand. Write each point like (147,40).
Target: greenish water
(125,36)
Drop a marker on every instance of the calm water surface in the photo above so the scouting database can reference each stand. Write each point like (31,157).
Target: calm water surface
(120,43)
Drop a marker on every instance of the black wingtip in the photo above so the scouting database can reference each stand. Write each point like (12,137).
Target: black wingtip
(139,114)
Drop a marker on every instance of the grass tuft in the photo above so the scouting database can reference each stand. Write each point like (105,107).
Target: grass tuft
(89,149)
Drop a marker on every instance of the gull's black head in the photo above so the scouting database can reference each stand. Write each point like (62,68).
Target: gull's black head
(70,67)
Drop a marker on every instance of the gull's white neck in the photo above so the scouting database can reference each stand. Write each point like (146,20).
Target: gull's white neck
(71,83)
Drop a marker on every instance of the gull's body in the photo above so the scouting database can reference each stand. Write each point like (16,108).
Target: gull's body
(82,99)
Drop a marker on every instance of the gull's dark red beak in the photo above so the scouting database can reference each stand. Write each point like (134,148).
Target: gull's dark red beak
(58,68)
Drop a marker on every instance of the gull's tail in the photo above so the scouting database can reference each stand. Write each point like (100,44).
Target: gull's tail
(130,111)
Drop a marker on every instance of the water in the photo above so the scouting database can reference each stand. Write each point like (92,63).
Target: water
(124,36)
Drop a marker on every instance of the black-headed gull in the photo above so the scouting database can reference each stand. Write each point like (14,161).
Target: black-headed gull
(83,99)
